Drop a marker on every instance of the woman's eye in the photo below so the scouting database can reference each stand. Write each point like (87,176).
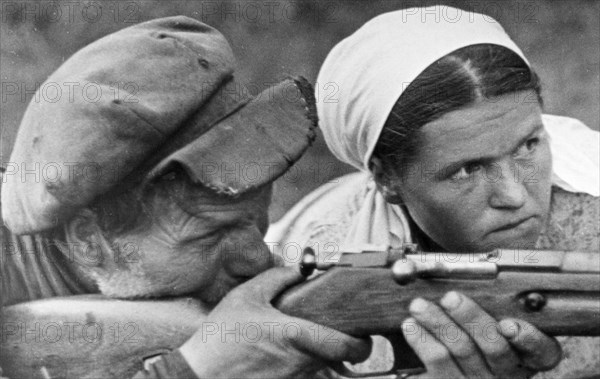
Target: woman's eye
(528,147)
(466,171)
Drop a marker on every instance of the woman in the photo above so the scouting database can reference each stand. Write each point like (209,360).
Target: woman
(444,120)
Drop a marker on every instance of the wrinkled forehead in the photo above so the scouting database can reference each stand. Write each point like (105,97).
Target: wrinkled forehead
(196,198)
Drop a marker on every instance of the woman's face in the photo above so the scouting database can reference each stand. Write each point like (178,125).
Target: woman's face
(482,176)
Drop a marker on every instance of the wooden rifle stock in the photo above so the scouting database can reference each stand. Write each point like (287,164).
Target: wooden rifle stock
(95,337)
(369,293)
(559,293)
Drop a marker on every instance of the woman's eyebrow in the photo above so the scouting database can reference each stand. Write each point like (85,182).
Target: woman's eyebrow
(536,129)
(455,165)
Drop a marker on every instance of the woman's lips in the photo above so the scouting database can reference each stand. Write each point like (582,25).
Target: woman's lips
(523,224)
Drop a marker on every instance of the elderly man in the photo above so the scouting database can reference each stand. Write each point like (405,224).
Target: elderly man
(160,188)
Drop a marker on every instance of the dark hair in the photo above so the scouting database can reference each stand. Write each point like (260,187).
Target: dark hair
(461,78)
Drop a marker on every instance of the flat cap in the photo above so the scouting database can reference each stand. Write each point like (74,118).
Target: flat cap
(141,100)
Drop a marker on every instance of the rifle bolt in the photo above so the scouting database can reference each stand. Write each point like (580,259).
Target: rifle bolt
(410,248)
(535,301)
(308,264)
(404,271)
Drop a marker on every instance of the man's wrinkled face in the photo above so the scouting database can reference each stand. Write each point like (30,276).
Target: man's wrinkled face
(198,243)
(482,176)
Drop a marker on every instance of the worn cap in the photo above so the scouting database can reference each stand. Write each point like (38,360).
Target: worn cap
(130,106)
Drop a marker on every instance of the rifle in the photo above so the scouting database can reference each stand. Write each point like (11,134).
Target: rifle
(362,294)
(369,293)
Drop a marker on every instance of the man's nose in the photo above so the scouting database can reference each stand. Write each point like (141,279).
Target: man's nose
(252,252)
(507,189)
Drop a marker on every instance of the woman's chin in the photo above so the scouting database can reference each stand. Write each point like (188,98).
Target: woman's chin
(523,243)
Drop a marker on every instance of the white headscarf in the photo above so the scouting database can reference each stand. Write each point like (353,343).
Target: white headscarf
(371,68)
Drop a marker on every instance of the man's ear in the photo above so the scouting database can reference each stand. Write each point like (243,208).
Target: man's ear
(385,185)
(88,244)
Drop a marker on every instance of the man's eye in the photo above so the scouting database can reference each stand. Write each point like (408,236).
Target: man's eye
(528,147)
(203,239)
(466,171)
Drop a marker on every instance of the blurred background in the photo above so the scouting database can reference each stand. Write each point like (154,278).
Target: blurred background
(273,39)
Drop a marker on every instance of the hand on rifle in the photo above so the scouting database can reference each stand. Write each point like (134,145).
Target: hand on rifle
(245,336)
(458,339)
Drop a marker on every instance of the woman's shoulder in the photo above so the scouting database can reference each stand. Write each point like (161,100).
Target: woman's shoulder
(322,216)
(575,206)
(572,223)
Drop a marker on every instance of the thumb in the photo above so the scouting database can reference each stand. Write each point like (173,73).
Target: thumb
(274,281)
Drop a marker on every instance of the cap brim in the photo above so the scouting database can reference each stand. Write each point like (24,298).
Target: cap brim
(254,145)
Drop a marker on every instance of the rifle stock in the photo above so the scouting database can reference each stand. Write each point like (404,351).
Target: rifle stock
(369,293)
(367,301)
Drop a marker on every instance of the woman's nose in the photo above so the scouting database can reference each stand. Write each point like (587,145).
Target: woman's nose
(507,189)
